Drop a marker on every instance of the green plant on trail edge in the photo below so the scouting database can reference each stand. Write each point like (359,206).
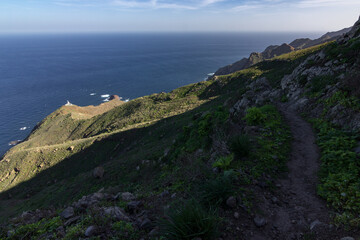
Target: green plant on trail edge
(241,145)
(215,192)
(339,174)
(224,162)
(189,221)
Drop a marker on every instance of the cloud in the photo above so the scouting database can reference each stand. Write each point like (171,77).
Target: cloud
(326,3)
(152,4)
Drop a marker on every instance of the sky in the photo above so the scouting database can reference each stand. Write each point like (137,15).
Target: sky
(17,16)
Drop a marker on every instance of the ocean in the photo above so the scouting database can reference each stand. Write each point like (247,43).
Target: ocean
(40,72)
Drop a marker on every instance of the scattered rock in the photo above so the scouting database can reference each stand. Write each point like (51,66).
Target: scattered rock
(126,196)
(116,213)
(274,200)
(231,202)
(98,172)
(91,231)
(236,215)
(71,221)
(259,221)
(154,232)
(146,224)
(133,206)
(67,213)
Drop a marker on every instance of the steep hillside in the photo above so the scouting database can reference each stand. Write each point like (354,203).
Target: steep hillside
(268,152)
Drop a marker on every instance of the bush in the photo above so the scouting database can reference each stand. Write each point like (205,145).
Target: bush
(241,145)
(217,191)
(260,115)
(188,221)
(319,83)
(224,162)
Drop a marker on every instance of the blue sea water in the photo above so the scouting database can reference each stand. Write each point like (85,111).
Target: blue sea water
(39,73)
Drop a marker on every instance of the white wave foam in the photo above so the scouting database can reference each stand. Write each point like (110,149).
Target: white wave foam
(106,100)
(105,95)
(92,94)
(211,74)
(128,99)
(23,128)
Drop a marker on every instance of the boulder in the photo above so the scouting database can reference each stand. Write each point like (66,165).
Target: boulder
(67,213)
(98,172)
(91,231)
(231,202)
(115,213)
(114,97)
(126,196)
(259,221)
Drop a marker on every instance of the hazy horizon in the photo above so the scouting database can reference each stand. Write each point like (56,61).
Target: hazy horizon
(133,16)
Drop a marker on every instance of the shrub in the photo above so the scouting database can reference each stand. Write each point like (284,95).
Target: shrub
(319,83)
(241,145)
(224,162)
(188,221)
(217,191)
(254,116)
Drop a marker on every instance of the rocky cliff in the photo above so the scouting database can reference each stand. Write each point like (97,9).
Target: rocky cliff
(275,50)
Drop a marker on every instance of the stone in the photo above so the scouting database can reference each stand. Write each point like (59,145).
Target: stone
(274,200)
(154,232)
(126,196)
(98,172)
(116,213)
(347,238)
(231,202)
(164,194)
(67,213)
(236,215)
(71,148)
(259,221)
(133,206)
(317,225)
(71,221)
(146,224)
(91,231)
(114,97)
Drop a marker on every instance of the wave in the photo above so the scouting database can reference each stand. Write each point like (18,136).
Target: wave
(105,95)
(128,99)
(23,128)
(211,74)
(92,94)
(106,100)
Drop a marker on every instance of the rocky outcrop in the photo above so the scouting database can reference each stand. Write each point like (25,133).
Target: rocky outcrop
(276,50)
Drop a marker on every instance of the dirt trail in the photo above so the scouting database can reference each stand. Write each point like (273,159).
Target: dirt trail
(295,206)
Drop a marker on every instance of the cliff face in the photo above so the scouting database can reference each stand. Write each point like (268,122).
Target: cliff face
(273,51)
(110,171)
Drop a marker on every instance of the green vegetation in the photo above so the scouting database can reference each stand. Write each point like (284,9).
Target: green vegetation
(216,191)
(339,173)
(241,145)
(224,162)
(189,221)
(345,53)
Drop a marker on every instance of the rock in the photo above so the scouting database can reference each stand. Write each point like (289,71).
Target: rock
(71,221)
(60,232)
(91,231)
(164,194)
(71,148)
(116,213)
(317,225)
(231,202)
(67,213)
(114,97)
(133,206)
(347,238)
(146,224)
(173,195)
(259,221)
(357,149)
(126,196)
(98,172)
(236,215)
(274,200)
(154,232)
